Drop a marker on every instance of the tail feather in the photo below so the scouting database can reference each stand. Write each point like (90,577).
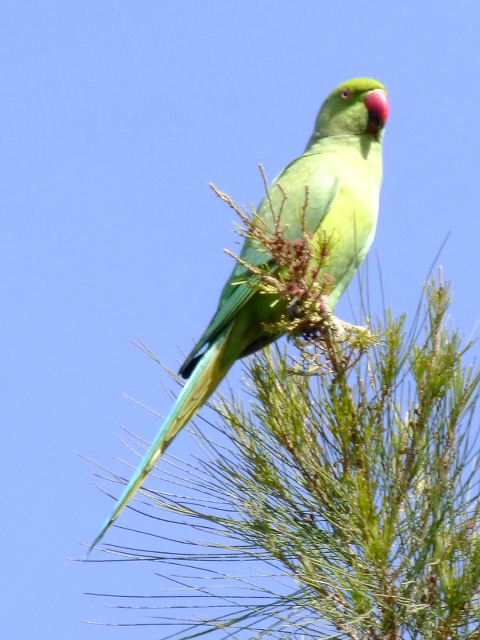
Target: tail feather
(206,376)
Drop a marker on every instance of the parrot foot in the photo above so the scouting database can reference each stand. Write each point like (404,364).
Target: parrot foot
(340,328)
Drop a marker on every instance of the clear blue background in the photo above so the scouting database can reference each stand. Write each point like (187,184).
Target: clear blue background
(114,116)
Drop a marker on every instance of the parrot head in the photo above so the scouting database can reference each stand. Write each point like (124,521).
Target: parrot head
(357,106)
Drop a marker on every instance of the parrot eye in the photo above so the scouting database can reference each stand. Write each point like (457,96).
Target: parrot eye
(345,94)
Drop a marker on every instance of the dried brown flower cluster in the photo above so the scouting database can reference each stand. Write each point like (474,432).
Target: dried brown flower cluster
(294,271)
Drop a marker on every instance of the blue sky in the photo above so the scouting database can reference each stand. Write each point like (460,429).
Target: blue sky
(114,117)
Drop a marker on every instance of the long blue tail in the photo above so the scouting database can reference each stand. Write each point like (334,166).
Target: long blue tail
(204,379)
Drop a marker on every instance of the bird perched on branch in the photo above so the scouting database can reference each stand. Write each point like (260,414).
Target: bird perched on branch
(330,193)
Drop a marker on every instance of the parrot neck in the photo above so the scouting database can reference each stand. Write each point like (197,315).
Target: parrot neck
(360,140)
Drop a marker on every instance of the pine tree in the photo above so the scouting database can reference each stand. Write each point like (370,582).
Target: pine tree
(344,500)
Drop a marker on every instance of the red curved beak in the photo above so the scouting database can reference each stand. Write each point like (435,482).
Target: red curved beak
(376,102)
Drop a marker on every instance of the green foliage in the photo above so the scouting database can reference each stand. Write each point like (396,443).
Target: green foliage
(355,475)
(350,483)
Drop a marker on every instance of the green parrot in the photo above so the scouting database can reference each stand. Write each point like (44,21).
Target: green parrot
(342,167)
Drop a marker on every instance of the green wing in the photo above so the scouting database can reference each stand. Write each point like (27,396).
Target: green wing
(286,197)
